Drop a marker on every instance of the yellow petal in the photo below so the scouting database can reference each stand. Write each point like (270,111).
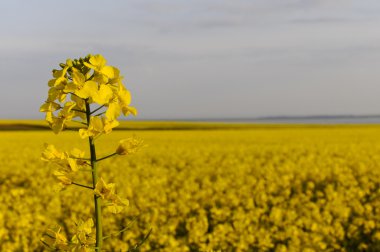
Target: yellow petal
(78,77)
(49,107)
(96,62)
(88,89)
(129,110)
(113,111)
(63,177)
(73,164)
(103,95)
(49,117)
(51,153)
(109,125)
(108,71)
(77,153)
(124,96)
(71,87)
(96,124)
(129,146)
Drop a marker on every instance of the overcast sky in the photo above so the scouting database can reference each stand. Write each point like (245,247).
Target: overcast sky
(201,59)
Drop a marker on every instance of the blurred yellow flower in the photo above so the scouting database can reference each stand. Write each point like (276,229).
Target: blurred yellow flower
(50,153)
(83,239)
(55,240)
(67,163)
(129,146)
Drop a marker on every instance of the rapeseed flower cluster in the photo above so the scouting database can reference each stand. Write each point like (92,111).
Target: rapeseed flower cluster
(86,81)
(75,90)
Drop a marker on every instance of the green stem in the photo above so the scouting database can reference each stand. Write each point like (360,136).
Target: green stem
(95,176)
(108,156)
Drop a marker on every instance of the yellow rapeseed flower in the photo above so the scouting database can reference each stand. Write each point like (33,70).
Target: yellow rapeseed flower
(56,240)
(65,115)
(114,203)
(129,146)
(49,106)
(98,125)
(50,153)
(105,191)
(83,239)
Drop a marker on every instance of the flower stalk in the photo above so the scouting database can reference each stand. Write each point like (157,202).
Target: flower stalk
(95,176)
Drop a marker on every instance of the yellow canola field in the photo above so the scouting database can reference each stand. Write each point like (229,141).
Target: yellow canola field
(260,189)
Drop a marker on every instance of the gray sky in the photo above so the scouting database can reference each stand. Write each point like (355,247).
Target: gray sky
(201,58)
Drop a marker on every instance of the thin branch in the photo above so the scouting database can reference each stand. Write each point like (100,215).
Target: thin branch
(92,76)
(78,158)
(138,245)
(48,235)
(79,122)
(100,114)
(73,94)
(97,109)
(78,110)
(108,156)
(88,187)
(122,230)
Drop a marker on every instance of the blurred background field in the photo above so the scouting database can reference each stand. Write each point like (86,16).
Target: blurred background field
(229,187)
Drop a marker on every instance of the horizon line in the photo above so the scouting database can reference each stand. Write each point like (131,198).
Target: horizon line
(244,118)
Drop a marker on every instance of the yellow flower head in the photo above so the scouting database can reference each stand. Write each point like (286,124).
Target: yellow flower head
(89,81)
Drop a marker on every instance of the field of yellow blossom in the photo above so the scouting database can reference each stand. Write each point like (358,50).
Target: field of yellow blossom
(205,188)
